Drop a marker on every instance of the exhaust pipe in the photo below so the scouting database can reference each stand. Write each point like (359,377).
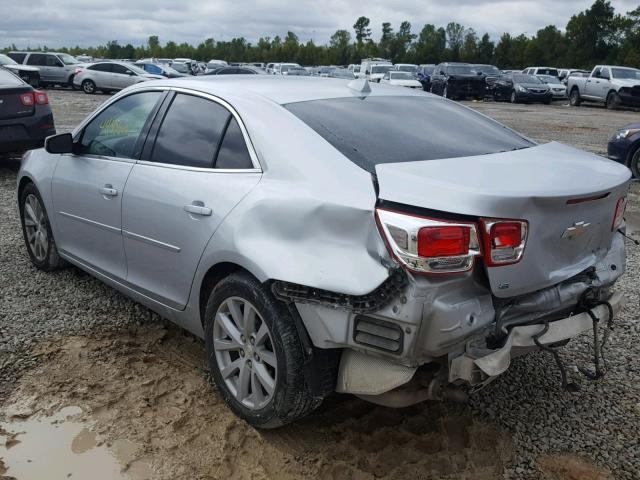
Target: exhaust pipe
(416,392)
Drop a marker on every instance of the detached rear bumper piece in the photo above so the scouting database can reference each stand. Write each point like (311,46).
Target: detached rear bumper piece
(478,365)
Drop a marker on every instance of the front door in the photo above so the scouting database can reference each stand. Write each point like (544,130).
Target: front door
(87,186)
(198,169)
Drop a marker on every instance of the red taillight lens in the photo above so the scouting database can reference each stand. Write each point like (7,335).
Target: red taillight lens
(41,98)
(26,99)
(443,241)
(503,240)
(78,70)
(618,216)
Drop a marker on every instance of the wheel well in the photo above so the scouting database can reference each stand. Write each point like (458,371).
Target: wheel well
(574,88)
(632,151)
(24,181)
(213,276)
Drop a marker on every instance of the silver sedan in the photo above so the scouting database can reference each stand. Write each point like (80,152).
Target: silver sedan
(110,76)
(329,235)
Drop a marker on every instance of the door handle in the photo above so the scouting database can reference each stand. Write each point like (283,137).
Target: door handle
(198,208)
(108,190)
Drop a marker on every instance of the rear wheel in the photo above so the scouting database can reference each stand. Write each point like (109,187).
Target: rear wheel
(574,98)
(613,101)
(634,163)
(255,354)
(36,230)
(88,87)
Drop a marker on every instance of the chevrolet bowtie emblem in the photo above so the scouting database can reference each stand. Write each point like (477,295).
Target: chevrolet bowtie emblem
(576,230)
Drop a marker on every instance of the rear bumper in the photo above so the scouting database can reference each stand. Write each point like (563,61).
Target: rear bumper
(626,98)
(26,133)
(476,366)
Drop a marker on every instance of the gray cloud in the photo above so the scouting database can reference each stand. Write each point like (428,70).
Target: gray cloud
(79,22)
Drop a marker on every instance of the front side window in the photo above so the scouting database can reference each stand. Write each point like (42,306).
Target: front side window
(53,61)
(116,130)
(416,128)
(190,132)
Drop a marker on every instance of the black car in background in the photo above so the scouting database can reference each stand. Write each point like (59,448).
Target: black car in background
(25,115)
(457,81)
(31,75)
(491,74)
(424,76)
(624,147)
(522,88)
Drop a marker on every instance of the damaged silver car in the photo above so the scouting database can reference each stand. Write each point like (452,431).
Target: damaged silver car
(328,235)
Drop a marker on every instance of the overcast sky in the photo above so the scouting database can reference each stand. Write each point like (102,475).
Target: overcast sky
(57,23)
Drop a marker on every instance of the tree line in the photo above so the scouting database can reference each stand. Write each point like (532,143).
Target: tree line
(595,35)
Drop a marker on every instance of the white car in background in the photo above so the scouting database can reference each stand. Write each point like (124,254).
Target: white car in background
(109,76)
(374,69)
(558,89)
(400,79)
(406,67)
(283,68)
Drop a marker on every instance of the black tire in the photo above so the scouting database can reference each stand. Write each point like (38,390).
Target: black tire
(51,259)
(70,83)
(514,97)
(445,92)
(634,162)
(291,398)
(613,101)
(574,98)
(88,87)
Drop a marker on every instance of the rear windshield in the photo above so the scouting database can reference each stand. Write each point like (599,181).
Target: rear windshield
(459,70)
(8,79)
(627,73)
(548,71)
(413,128)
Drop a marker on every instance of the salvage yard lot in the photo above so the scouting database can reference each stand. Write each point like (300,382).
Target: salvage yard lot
(68,340)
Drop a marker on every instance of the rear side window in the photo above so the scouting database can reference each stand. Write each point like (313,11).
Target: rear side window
(18,57)
(233,150)
(100,67)
(390,129)
(37,59)
(190,132)
(116,130)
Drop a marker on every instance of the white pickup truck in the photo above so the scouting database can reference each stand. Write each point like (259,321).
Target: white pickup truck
(611,85)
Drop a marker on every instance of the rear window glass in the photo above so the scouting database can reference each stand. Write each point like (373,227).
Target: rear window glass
(8,79)
(390,129)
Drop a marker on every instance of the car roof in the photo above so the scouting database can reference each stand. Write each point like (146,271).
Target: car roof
(280,89)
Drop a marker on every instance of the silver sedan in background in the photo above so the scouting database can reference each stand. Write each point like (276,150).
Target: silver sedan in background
(110,76)
(331,235)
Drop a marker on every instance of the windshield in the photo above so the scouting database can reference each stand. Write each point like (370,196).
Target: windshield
(487,69)
(627,73)
(401,76)
(526,79)
(381,68)
(548,79)
(407,68)
(4,60)
(67,59)
(548,71)
(353,127)
(180,67)
(459,70)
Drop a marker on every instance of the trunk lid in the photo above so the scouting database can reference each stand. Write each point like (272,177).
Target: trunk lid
(10,104)
(547,185)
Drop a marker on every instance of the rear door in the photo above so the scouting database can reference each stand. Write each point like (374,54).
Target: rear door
(55,69)
(87,186)
(197,169)
(120,78)
(101,75)
(39,60)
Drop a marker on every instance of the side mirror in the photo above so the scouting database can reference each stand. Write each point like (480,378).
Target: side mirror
(61,143)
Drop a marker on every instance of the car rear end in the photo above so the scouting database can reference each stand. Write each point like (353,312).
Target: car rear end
(497,246)
(25,115)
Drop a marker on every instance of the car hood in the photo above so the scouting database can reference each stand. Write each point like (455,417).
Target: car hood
(23,68)
(553,187)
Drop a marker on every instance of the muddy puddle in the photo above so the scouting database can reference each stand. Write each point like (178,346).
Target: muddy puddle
(60,447)
(149,388)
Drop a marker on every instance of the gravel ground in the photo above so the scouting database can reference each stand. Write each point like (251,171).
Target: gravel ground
(546,426)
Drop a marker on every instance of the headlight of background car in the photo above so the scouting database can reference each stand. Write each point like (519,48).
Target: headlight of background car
(622,134)
(522,89)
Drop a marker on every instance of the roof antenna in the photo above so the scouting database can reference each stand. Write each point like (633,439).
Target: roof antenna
(360,85)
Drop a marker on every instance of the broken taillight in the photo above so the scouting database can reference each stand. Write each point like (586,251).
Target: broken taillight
(618,216)
(428,245)
(503,240)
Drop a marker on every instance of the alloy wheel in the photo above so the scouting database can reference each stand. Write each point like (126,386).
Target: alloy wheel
(88,86)
(36,227)
(245,353)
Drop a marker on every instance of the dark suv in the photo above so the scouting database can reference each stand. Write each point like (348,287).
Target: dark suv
(457,81)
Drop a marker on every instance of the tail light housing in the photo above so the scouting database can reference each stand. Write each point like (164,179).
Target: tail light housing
(27,99)
(618,216)
(503,240)
(41,98)
(427,245)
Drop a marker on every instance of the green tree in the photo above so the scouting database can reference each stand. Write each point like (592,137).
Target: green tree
(469,49)
(455,37)
(363,32)
(339,45)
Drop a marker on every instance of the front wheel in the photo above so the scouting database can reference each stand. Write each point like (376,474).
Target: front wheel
(613,101)
(36,231)
(255,354)
(514,98)
(88,87)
